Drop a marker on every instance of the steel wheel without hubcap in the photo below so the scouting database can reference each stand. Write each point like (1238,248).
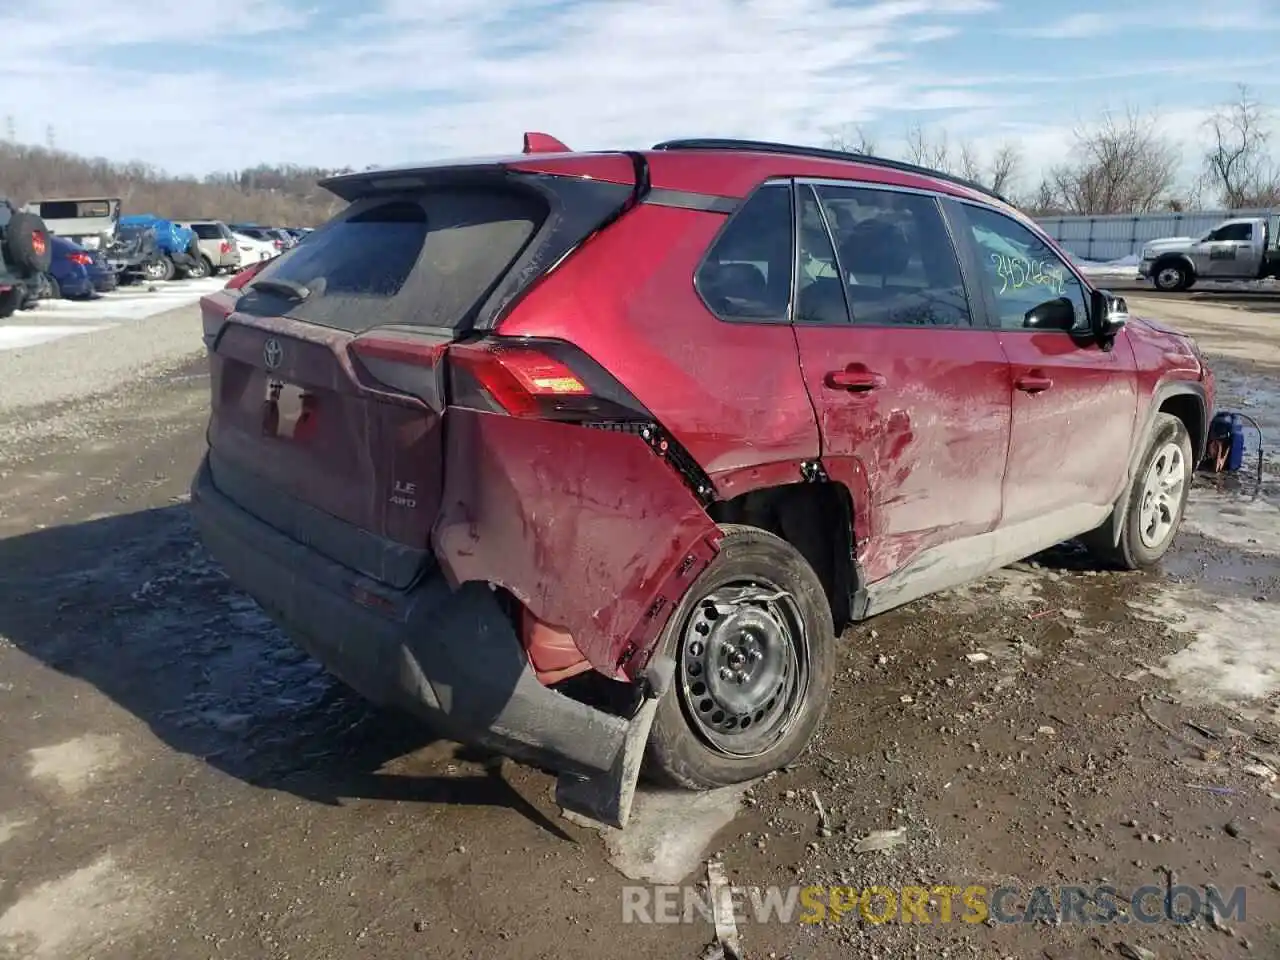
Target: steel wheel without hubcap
(1162,496)
(744,668)
(154,270)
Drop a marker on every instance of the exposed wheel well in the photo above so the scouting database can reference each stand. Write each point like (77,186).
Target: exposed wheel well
(1189,409)
(1176,260)
(816,519)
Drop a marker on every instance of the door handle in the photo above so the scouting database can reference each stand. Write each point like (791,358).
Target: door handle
(855,381)
(1033,383)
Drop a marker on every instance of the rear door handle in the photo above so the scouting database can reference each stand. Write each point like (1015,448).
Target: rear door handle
(855,381)
(1032,383)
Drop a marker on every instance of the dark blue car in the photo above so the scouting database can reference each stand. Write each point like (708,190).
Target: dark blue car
(78,272)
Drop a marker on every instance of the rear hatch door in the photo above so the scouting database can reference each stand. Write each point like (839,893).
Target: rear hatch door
(328,378)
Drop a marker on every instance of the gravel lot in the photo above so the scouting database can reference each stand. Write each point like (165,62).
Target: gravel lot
(177,781)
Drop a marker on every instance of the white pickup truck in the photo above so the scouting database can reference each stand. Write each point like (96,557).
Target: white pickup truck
(1247,248)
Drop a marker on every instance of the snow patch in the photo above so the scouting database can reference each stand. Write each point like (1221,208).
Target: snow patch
(76,763)
(1233,657)
(669,832)
(1251,525)
(75,915)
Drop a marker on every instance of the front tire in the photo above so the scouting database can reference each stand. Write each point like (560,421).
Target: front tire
(754,648)
(1172,278)
(1156,501)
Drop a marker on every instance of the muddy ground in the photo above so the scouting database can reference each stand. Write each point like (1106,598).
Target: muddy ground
(177,781)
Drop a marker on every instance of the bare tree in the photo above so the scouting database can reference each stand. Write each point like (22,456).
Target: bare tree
(970,164)
(1239,165)
(852,138)
(1005,168)
(283,195)
(1122,164)
(927,150)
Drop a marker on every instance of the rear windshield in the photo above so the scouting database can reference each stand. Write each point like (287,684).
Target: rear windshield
(427,260)
(207,231)
(75,209)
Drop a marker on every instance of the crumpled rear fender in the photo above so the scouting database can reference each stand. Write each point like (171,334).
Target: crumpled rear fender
(591,529)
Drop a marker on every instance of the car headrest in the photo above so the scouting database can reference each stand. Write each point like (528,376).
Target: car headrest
(742,281)
(875,247)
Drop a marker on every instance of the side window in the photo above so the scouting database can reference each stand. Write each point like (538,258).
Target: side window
(893,257)
(1233,231)
(1020,270)
(747,272)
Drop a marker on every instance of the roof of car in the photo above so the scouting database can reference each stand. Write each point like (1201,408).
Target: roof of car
(677,161)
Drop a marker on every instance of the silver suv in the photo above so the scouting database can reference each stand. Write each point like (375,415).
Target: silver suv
(217,245)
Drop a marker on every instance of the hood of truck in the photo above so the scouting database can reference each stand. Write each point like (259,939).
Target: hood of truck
(1168,244)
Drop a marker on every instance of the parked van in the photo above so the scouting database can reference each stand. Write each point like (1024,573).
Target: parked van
(90,222)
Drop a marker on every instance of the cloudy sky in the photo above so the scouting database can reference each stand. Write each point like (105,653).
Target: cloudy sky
(336,82)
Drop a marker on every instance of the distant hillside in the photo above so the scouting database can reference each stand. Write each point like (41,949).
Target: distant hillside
(284,196)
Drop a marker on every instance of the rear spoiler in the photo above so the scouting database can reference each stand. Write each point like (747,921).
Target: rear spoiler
(352,186)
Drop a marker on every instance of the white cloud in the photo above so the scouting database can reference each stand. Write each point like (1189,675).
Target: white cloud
(275,81)
(408,79)
(1187,15)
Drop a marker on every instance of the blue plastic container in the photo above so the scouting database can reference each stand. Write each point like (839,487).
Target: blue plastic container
(1229,428)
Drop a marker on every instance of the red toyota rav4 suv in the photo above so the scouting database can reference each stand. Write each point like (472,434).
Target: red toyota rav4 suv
(668,421)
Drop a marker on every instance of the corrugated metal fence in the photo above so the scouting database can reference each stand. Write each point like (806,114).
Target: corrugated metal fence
(1114,237)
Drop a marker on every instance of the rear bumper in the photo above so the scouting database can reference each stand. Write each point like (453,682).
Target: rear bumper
(451,657)
(77,287)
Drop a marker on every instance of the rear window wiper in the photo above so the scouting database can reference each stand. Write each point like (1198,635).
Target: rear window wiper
(286,288)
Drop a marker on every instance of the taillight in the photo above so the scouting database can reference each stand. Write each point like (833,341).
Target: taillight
(519,377)
(224,247)
(81,258)
(405,362)
(279,244)
(539,378)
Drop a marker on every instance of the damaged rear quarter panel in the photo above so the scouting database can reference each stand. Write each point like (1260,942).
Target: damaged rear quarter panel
(586,527)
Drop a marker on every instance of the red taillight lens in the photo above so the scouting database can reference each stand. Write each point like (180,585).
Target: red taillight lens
(279,244)
(519,377)
(224,247)
(546,379)
(81,258)
(521,380)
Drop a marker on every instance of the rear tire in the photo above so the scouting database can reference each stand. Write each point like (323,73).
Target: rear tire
(55,291)
(160,269)
(753,680)
(1156,501)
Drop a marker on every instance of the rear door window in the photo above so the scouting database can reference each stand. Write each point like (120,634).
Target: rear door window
(879,258)
(207,231)
(429,259)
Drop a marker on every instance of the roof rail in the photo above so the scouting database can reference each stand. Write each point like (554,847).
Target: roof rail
(822,153)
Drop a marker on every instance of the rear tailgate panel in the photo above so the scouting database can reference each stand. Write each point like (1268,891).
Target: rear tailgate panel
(588,528)
(350,470)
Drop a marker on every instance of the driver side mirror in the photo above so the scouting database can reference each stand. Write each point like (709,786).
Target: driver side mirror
(1109,313)
(1058,314)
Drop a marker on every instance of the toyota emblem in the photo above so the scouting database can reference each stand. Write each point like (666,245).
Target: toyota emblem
(272,353)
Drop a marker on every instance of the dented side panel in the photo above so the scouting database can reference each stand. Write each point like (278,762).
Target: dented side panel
(589,529)
(924,454)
